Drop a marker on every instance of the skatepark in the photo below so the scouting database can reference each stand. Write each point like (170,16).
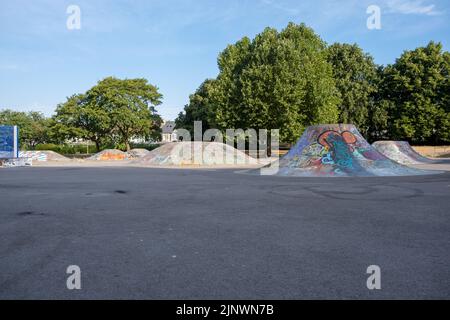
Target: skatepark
(159,225)
(225,159)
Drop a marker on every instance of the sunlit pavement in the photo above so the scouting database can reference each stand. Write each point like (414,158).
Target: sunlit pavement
(161,233)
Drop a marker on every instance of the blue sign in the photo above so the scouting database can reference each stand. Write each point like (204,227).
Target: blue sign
(9,146)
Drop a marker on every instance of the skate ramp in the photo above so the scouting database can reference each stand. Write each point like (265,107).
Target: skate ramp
(138,153)
(197,154)
(339,150)
(42,156)
(401,152)
(109,155)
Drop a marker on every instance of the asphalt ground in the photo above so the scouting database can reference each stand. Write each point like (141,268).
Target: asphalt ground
(148,233)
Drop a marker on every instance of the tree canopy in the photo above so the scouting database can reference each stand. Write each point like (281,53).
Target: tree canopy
(417,90)
(277,80)
(200,108)
(355,75)
(291,79)
(33,126)
(285,80)
(114,109)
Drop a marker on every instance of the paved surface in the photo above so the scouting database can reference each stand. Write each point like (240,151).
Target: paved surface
(160,233)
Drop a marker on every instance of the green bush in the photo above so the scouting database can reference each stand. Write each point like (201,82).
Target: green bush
(67,149)
(83,149)
(47,146)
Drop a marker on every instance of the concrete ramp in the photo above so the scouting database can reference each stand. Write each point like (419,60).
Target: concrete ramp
(138,153)
(42,155)
(401,152)
(197,154)
(339,150)
(109,155)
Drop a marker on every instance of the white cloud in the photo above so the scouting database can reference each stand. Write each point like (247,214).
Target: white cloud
(419,7)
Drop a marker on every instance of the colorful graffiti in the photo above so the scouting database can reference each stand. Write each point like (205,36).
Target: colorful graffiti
(324,138)
(338,150)
(33,155)
(110,155)
(42,156)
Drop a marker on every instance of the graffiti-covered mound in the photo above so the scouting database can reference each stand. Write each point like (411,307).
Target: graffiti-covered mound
(337,150)
(196,153)
(138,152)
(109,154)
(400,151)
(42,155)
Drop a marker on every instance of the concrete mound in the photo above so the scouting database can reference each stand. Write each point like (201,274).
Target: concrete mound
(109,155)
(401,152)
(196,153)
(42,156)
(138,152)
(339,150)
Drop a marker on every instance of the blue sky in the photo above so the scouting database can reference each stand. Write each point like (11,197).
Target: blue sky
(175,43)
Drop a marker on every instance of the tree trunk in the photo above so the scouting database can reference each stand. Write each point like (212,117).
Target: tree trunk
(128,146)
(97,145)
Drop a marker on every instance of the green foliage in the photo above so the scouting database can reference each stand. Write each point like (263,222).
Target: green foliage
(67,149)
(113,111)
(417,88)
(199,108)
(128,106)
(283,80)
(78,118)
(290,80)
(277,80)
(356,78)
(33,126)
(378,118)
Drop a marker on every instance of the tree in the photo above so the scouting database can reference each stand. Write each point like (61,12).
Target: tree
(199,108)
(277,80)
(129,106)
(79,118)
(114,109)
(355,75)
(417,88)
(33,126)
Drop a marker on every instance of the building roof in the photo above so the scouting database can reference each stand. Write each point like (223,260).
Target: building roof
(168,127)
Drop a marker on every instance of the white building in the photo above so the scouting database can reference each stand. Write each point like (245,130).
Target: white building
(169,134)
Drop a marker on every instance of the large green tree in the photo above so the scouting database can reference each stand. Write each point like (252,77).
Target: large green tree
(113,110)
(79,118)
(417,89)
(356,78)
(277,80)
(130,105)
(199,108)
